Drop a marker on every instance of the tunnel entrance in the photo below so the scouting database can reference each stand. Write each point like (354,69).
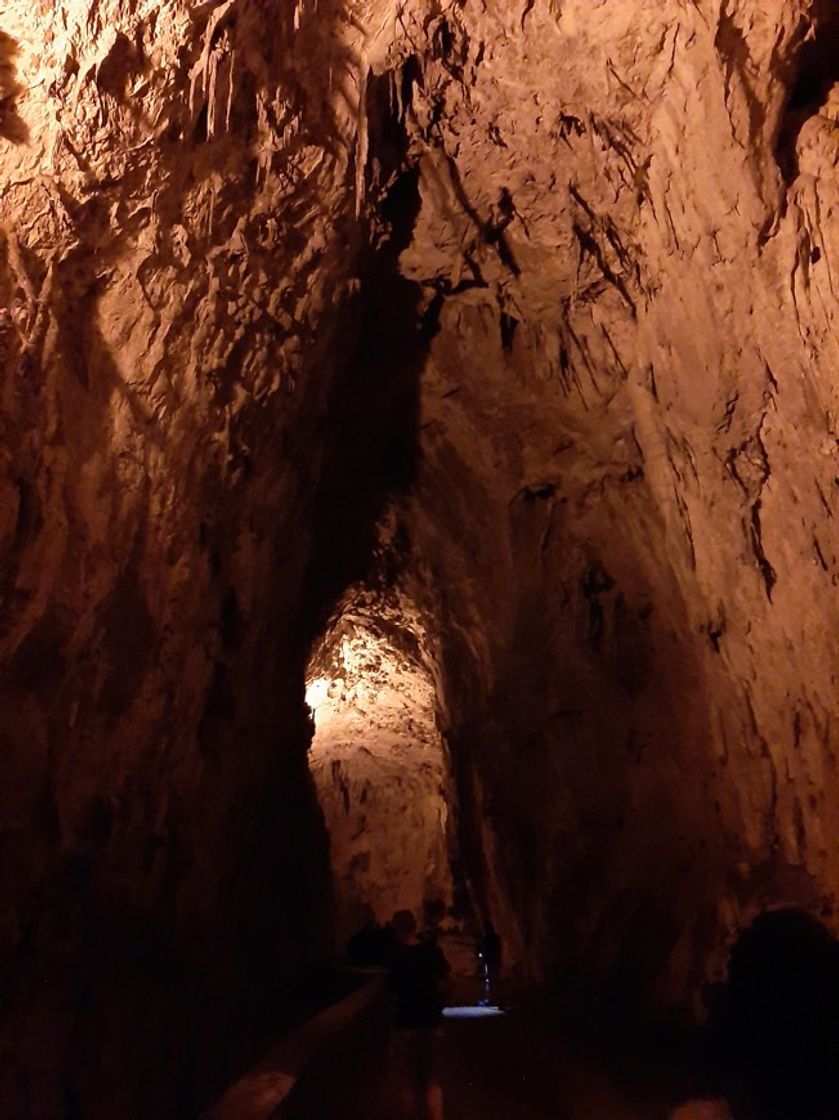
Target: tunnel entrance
(379,762)
(816,75)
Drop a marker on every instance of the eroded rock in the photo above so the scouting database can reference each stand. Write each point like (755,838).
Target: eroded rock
(608,395)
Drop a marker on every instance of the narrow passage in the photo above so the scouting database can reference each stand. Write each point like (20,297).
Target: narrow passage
(516,1066)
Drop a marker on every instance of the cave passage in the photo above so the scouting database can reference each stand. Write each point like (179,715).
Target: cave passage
(379,767)
(419,460)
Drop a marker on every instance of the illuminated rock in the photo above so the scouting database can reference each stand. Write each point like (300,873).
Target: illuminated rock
(556,280)
(379,765)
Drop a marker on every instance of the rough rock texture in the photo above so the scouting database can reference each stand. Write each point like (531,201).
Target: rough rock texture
(624,497)
(378,762)
(557,274)
(177,237)
(627,487)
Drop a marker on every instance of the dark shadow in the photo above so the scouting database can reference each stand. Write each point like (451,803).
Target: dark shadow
(775,1027)
(372,423)
(132,1006)
(816,72)
(12,125)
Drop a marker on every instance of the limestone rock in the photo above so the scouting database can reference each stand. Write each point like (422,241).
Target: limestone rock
(556,280)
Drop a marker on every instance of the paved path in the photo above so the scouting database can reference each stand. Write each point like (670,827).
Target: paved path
(513,1067)
(518,1066)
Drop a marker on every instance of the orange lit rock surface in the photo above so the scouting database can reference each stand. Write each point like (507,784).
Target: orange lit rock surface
(576,260)
(177,226)
(633,384)
(379,765)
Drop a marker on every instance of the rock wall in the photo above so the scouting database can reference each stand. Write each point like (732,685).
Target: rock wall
(178,247)
(627,232)
(558,273)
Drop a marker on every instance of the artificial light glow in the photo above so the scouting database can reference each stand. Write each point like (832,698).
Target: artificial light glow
(317,692)
(377,761)
(476,1012)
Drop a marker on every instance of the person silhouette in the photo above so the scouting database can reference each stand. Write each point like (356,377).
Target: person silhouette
(489,955)
(419,977)
(774,1028)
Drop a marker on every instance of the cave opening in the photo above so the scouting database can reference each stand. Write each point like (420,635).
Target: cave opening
(818,65)
(816,74)
(379,762)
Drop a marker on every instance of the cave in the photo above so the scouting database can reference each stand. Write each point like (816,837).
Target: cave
(379,764)
(419,463)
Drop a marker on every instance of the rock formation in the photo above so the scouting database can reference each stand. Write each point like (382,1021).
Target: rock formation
(380,767)
(550,286)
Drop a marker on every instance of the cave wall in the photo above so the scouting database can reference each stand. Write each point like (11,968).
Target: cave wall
(616,249)
(178,237)
(628,232)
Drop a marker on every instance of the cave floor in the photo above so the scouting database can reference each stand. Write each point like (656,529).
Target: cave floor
(513,1067)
